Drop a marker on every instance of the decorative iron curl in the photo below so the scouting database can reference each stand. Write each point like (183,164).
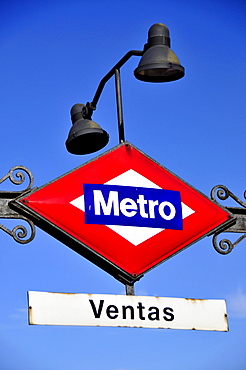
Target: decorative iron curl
(225,246)
(17,175)
(222,192)
(20,232)
(18,178)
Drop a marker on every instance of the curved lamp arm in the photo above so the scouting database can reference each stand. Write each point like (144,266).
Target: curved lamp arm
(107,77)
(91,106)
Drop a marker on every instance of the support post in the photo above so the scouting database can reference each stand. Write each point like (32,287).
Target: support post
(119,106)
(130,289)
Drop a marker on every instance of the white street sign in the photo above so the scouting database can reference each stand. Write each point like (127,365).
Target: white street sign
(126,311)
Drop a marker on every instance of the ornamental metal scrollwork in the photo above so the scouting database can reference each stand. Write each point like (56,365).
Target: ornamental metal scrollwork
(223,193)
(18,178)
(225,246)
(17,175)
(20,232)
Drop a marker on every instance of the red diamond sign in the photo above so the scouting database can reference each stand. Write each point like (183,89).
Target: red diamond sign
(124,212)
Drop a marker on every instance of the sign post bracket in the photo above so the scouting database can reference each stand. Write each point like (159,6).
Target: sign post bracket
(17,175)
(222,193)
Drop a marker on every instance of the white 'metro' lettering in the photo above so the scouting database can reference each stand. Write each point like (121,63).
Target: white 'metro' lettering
(113,201)
(128,207)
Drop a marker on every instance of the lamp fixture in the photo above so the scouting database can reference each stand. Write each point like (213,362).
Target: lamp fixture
(85,136)
(158,64)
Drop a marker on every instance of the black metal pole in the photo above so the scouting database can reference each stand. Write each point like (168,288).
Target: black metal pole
(119,106)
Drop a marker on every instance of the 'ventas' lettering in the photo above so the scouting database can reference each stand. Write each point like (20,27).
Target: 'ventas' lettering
(129,312)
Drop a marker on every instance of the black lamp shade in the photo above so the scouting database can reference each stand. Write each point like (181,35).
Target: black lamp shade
(85,136)
(159,63)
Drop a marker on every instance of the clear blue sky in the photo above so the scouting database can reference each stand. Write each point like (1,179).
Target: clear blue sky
(53,55)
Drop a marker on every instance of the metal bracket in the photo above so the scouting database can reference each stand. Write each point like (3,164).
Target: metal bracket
(17,175)
(225,246)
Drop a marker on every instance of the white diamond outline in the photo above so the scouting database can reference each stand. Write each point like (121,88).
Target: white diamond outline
(133,234)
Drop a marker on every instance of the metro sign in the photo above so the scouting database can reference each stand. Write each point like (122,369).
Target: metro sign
(124,212)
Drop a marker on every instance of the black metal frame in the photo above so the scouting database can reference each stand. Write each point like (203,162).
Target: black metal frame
(10,208)
(17,175)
